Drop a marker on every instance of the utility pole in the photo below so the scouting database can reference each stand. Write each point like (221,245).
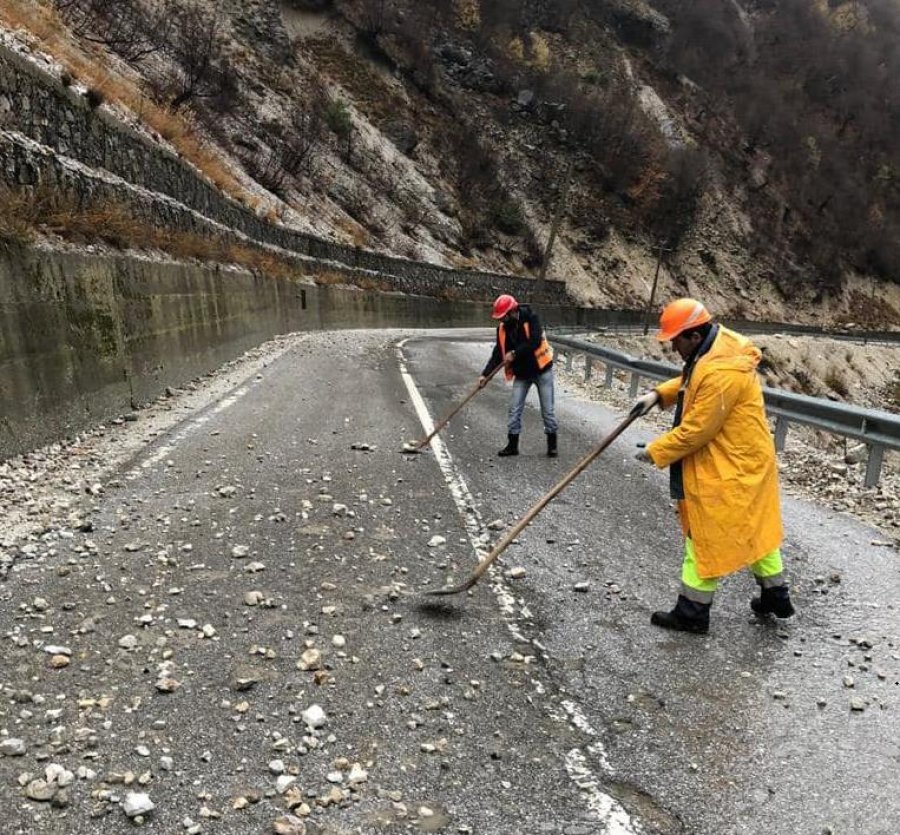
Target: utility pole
(557,219)
(648,315)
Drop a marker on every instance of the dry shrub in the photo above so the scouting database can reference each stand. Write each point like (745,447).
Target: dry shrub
(836,381)
(364,282)
(24,212)
(468,14)
(367,282)
(330,277)
(354,232)
(17,219)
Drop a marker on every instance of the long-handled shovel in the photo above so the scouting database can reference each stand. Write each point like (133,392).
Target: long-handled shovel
(538,506)
(414,447)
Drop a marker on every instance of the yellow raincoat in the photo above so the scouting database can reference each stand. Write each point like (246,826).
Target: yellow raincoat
(731,509)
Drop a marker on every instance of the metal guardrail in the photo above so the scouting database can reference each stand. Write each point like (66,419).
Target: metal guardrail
(625,322)
(878,430)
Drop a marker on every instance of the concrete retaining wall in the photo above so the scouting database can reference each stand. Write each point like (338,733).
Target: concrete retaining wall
(83,337)
(80,336)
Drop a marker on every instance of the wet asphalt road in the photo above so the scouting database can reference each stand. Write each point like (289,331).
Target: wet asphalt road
(746,730)
(524,707)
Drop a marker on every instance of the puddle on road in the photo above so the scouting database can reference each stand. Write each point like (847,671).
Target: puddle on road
(645,807)
(435,822)
(438,610)
(387,817)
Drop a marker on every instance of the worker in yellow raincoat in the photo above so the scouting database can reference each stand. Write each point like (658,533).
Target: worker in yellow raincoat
(722,468)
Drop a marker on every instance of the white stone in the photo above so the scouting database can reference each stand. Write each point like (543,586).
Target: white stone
(59,775)
(12,747)
(128,642)
(311,659)
(137,803)
(437,540)
(357,775)
(314,717)
(284,782)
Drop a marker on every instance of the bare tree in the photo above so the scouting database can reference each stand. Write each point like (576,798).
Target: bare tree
(292,150)
(126,28)
(676,208)
(196,47)
(375,17)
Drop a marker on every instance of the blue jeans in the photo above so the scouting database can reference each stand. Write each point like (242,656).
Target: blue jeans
(544,383)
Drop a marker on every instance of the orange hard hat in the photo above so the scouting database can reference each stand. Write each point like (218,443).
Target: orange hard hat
(679,316)
(503,305)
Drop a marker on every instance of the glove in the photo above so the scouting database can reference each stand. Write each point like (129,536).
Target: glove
(643,456)
(645,403)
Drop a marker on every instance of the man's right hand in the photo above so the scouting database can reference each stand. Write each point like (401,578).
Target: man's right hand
(645,403)
(482,381)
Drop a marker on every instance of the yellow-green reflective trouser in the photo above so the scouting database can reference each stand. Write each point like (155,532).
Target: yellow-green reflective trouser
(768,572)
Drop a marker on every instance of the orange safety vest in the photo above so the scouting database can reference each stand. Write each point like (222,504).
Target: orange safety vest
(543,353)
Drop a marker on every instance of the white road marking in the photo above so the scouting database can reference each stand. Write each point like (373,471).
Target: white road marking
(610,814)
(170,447)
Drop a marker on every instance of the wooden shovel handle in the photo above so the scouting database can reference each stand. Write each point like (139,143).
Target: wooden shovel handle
(537,507)
(446,420)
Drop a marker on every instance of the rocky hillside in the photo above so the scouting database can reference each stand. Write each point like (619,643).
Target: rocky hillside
(459,131)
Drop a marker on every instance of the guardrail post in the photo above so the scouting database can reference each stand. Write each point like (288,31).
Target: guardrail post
(635,382)
(781,428)
(570,356)
(609,376)
(587,367)
(873,466)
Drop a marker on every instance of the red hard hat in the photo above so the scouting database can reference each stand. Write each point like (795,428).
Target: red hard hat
(679,316)
(503,305)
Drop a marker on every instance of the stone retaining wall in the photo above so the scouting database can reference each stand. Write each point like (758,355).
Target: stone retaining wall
(37,107)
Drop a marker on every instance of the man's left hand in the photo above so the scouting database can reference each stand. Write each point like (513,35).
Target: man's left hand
(643,456)
(510,356)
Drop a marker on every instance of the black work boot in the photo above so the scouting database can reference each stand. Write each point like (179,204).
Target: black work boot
(687,616)
(511,448)
(551,445)
(774,601)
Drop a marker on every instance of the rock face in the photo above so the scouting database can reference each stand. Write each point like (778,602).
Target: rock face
(403,135)
(636,22)
(259,24)
(309,5)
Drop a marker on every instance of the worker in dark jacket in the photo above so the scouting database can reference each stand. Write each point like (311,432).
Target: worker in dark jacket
(528,359)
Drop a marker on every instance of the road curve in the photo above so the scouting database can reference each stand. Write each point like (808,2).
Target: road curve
(268,554)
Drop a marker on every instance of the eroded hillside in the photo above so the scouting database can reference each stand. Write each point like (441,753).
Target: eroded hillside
(457,132)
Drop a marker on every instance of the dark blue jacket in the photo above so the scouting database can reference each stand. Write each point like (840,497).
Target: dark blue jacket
(524,366)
